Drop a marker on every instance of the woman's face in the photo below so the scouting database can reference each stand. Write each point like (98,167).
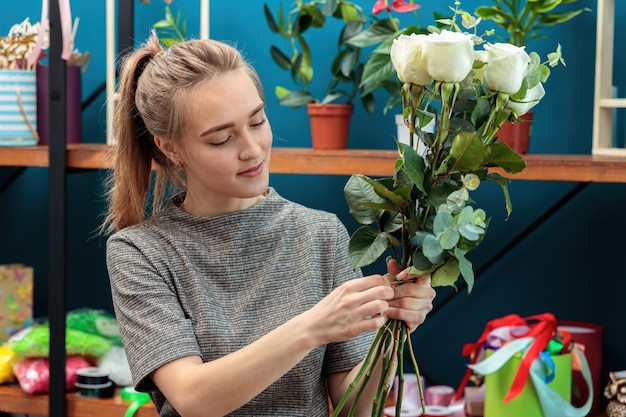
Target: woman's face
(226,147)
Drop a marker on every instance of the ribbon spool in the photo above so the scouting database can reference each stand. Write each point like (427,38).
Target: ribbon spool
(94,383)
(136,398)
(437,411)
(439,395)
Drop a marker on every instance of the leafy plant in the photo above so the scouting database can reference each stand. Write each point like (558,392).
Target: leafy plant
(525,20)
(346,68)
(172,29)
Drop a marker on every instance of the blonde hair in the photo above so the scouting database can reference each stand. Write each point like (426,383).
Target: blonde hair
(153,86)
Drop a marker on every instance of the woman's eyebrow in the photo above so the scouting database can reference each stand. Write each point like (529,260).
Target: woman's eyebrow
(230,124)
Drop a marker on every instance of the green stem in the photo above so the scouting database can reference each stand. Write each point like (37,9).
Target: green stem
(373,351)
(417,373)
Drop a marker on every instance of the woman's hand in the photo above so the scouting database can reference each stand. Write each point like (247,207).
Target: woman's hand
(355,307)
(413,295)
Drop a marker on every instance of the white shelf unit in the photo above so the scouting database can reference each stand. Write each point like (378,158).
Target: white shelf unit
(111,54)
(604,102)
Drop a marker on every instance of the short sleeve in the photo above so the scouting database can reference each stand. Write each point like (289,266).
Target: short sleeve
(153,326)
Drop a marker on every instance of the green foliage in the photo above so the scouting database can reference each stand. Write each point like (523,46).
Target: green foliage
(526,20)
(172,29)
(346,69)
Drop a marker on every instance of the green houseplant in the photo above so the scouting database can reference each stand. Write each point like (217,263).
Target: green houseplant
(524,21)
(344,75)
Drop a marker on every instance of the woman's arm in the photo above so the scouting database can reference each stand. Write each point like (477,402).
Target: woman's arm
(225,384)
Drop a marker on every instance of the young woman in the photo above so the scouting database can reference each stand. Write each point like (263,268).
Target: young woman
(230,299)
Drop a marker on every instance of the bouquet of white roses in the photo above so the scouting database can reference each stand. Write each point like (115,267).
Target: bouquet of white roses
(423,213)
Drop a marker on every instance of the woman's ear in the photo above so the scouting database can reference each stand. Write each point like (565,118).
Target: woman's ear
(167,148)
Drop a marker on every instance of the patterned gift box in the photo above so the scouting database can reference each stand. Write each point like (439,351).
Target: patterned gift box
(16,299)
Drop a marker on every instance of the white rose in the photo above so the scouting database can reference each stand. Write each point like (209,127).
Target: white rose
(506,67)
(448,56)
(531,98)
(406,56)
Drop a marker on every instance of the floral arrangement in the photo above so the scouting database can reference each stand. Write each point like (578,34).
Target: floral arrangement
(424,213)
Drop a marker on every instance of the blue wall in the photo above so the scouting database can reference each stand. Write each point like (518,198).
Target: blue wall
(569,264)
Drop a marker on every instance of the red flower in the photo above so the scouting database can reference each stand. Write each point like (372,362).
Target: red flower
(399,6)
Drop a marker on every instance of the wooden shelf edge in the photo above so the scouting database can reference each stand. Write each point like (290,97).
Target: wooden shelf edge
(573,168)
(14,400)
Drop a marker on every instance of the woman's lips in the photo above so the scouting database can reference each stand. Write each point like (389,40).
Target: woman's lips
(252,172)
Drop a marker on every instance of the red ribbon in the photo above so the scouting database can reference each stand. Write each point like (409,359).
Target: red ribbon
(542,327)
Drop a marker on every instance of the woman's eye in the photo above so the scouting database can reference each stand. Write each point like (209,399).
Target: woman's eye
(223,142)
(260,123)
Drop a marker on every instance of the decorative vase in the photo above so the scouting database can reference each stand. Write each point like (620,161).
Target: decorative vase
(517,134)
(330,125)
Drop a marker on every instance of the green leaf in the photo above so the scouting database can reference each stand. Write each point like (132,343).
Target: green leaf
(502,182)
(271,23)
(359,194)
(466,152)
(282,60)
(421,264)
(449,238)
(295,99)
(432,248)
(413,165)
(366,246)
(498,154)
(447,274)
(466,269)
(398,197)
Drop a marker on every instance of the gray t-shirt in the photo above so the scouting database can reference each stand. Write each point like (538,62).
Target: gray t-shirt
(185,285)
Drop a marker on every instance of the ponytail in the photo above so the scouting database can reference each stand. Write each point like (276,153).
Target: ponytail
(153,87)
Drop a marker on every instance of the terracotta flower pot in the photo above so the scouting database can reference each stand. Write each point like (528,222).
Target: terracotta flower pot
(330,125)
(517,135)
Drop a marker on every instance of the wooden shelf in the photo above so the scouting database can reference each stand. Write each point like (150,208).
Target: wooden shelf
(14,400)
(576,168)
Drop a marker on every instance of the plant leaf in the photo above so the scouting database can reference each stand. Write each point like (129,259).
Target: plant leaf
(366,246)
(359,194)
(447,274)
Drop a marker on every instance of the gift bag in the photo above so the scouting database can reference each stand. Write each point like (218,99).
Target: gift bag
(527,365)
(16,299)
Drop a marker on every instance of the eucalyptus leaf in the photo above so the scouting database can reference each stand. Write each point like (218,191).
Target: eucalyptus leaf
(466,269)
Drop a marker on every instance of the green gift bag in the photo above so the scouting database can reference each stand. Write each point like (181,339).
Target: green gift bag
(546,392)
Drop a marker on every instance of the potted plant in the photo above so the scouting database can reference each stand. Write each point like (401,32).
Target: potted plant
(345,71)
(523,22)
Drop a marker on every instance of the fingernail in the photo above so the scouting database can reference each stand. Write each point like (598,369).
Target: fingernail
(388,258)
(398,278)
